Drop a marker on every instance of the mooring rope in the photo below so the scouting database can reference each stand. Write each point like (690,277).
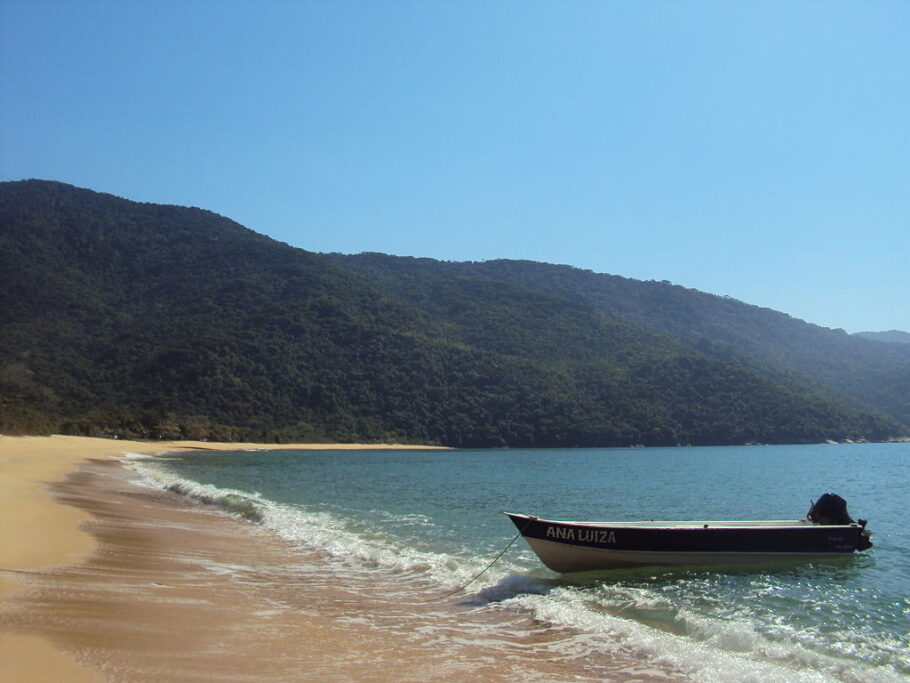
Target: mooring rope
(484,570)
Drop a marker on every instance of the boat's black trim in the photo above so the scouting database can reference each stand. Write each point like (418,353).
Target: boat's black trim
(785,539)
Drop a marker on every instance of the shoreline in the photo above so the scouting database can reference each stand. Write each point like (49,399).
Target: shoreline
(125,577)
(39,532)
(168,588)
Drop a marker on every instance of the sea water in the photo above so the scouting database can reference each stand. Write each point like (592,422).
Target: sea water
(429,521)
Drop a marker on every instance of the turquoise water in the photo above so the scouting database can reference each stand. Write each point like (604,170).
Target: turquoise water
(433,517)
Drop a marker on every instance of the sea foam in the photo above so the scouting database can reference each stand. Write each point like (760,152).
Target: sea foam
(318,531)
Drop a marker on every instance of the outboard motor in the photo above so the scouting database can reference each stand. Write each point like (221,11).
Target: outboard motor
(830,508)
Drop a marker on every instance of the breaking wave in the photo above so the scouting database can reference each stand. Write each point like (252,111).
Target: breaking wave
(321,531)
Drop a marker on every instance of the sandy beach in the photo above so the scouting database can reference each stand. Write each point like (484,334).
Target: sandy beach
(104,579)
(44,535)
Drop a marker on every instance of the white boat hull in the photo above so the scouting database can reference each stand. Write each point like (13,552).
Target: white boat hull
(565,559)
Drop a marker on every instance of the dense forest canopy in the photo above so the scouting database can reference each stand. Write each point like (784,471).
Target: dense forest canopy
(772,343)
(144,320)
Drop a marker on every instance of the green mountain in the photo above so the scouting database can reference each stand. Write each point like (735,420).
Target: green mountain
(118,317)
(844,368)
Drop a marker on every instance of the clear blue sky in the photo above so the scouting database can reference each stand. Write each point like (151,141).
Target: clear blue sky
(755,149)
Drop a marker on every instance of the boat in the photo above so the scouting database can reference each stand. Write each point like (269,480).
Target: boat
(565,546)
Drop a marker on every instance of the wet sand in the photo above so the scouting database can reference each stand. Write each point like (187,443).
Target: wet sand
(146,585)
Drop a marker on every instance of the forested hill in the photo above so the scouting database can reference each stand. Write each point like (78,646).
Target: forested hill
(118,317)
(774,344)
